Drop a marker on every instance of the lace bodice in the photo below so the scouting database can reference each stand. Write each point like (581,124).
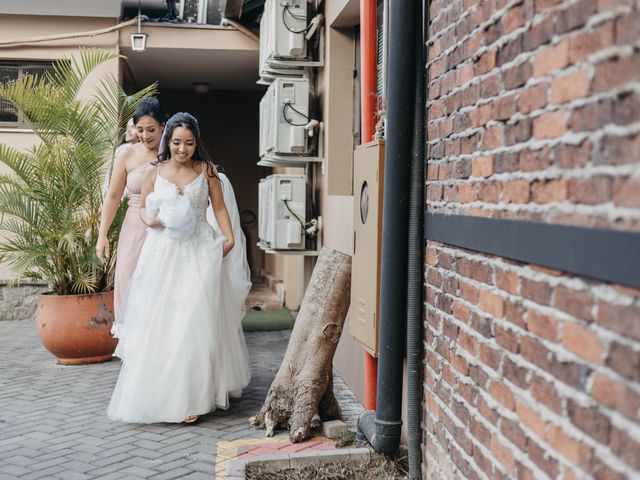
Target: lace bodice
(197,191)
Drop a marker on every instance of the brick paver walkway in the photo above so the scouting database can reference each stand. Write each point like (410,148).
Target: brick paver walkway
(53,423)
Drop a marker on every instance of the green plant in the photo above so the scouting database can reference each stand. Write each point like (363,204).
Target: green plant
(50,201)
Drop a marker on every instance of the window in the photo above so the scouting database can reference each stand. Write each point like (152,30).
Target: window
(11,72)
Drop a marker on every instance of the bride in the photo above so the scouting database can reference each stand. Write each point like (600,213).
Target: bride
(179,329)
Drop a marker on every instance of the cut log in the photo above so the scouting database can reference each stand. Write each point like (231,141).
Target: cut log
(301,395)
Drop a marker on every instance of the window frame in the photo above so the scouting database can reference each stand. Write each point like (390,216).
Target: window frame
(20,122)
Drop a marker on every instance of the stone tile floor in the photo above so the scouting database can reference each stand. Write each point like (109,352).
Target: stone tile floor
(53,423)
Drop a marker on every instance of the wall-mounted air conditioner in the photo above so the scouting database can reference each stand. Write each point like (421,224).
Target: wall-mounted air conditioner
(291,38)
(282,212)
(289,136)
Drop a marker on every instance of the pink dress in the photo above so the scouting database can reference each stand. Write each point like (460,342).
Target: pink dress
(132,235)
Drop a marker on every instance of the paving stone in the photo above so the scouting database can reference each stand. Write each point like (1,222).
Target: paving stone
(54,424)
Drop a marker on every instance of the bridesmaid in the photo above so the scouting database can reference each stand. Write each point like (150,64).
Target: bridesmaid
(128,171)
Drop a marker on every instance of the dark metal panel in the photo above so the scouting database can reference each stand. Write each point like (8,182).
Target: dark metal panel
(609,255)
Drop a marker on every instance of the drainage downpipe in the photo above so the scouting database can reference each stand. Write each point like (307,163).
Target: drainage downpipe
(382,427)
(415,292)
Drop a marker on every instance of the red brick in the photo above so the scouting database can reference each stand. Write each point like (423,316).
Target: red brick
(493,137)
(464,73)
(624,360)
(549,191)
(469,343)
(469,292)
(535,352)
(592,116)
(490,192)
(542,459)
(625,448)
(615,395)
(577,303)
(482,166)
(529,417)
(570,156)
(503,455)
(584,343)
(460,364)
(571,86)
(542,325)
(626,192)
(542,5)
(587,43)
(486,411)
(550,125)
(551,58)
(546,393)
(505,107)
(539,34)
(514,373)
(491,303)
(467,192)
(626,108)
(628,28)
(490,86)
(534,160)
(514,433)
(514,18)
(507,339)
(539,292)
(591,191)
(517,75)
(574,16)
(490,356)
(615,73)
(517,132)
(590,421)
(620,150)
(514,312)
(508,281)
(486,62)
(533,98)
(502,394)
(573,450)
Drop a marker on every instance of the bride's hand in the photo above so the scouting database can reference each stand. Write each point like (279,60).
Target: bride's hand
(227,247)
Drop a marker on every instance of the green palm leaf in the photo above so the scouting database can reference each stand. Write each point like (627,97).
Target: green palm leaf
(50,201)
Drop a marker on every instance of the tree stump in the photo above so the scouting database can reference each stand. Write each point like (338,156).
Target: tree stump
(301,395)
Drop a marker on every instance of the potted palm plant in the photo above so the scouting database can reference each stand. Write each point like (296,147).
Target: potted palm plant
(50,201)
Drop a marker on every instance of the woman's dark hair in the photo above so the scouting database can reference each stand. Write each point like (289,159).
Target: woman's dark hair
(151,107)
(186,120)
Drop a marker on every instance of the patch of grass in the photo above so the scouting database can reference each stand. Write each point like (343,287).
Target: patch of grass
(346,439)
(378,468)
(267,320)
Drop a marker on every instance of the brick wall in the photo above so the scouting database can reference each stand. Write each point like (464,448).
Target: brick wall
(534,114)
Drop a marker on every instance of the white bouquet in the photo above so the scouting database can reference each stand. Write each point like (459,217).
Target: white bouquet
(174,212)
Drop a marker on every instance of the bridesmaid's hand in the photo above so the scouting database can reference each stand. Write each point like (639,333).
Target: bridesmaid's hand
(227,247)
(102,248)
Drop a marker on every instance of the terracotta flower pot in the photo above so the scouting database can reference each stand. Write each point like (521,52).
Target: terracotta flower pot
(77,328)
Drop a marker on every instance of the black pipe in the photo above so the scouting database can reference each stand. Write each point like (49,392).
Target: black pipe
(415,292)
(382,429)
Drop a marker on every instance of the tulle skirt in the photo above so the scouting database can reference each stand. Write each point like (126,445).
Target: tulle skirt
(180,333)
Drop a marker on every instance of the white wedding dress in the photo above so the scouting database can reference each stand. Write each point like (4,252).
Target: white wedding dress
(180,333)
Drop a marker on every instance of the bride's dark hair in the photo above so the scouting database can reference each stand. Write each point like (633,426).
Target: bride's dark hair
(186,120)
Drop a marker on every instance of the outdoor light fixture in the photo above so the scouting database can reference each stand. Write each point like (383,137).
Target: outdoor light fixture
(139,40)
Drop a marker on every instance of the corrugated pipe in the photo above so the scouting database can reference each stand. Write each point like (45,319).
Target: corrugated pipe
(415,292)
(382,427)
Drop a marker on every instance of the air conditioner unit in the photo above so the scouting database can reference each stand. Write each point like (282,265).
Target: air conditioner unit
(286,30)
(282,212)
(287,131)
